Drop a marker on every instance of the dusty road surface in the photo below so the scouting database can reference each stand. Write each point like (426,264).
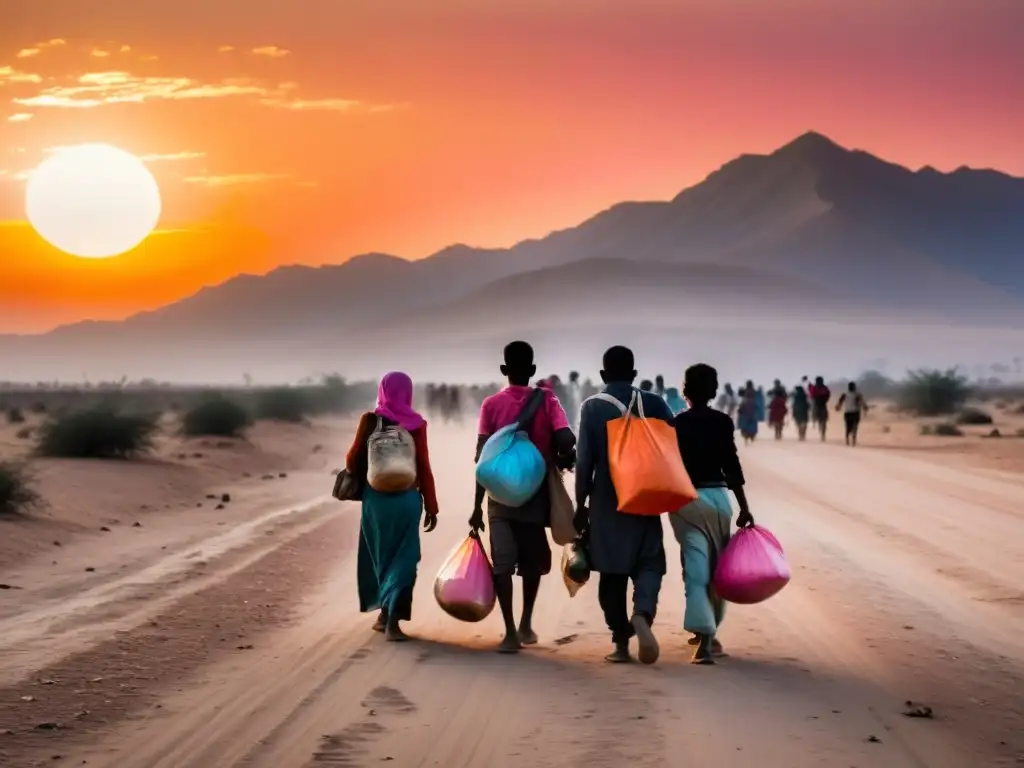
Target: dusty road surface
(908,586)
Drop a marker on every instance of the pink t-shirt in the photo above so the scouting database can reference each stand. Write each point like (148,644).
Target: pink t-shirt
(501,409)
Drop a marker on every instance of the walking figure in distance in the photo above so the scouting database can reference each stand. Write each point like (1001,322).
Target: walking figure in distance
(801,411)
(852,404)
(820,395)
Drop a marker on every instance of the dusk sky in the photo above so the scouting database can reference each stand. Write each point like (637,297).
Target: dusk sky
(314,131)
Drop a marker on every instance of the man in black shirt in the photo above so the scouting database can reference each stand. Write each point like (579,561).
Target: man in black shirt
(708,445)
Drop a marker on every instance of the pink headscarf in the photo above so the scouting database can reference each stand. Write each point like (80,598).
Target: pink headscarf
(394,401)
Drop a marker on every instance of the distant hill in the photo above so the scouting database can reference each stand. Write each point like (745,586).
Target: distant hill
(812,231)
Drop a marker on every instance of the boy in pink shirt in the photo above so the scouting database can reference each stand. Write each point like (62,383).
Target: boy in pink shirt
(519,541)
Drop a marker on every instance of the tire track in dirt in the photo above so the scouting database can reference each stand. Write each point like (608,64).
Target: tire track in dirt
(43,634)
(122,676)
(924,536)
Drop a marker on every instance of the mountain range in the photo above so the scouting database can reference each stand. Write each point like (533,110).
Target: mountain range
(812,256)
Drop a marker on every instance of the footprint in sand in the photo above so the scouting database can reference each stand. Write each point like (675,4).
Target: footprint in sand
(349,746)
(388,699)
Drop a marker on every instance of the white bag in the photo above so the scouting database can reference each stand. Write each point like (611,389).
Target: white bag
(391,466)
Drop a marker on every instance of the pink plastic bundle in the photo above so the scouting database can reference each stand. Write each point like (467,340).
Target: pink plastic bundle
(464,586)
(752,568)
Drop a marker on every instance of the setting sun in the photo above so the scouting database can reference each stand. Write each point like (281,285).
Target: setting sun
(93,200)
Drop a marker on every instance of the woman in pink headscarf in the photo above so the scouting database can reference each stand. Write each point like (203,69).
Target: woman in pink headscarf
(389,538)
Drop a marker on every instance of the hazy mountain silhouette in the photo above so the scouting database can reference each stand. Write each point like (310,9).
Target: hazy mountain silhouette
(812,230)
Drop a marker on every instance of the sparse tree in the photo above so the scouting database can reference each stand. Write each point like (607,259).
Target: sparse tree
(933,392)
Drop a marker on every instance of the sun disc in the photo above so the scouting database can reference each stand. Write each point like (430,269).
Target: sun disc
(93,200)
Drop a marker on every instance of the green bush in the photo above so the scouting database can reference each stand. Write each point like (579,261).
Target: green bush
(97,433)
(16,492)
(15,415)
(216,417)
(973,416)
(283,404)
(933,393)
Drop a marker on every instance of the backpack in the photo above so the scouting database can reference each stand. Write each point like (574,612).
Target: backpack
(511,468)
(391,454)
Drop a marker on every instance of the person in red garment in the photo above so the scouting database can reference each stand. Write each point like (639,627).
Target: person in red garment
(778,409)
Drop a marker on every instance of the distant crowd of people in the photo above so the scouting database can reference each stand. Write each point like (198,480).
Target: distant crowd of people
(807,403)
(749,406)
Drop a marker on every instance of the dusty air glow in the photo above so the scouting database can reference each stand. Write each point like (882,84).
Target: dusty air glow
(93,200)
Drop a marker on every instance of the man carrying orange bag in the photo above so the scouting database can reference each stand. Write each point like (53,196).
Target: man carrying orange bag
(627,545)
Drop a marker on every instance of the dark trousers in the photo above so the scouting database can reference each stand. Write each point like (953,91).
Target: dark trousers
(611,594)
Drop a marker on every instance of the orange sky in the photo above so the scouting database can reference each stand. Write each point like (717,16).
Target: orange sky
(311,132)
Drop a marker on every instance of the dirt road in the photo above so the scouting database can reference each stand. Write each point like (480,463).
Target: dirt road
(908,585)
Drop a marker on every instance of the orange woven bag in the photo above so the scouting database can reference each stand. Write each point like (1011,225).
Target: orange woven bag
(643,458)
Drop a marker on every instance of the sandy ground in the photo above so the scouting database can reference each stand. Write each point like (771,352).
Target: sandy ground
(241,644)
(177,486)
(978,448)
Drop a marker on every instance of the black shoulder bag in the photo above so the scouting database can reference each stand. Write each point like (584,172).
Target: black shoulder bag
(530,408)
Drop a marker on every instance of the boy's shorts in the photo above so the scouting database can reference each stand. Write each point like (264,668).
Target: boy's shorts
(519,548)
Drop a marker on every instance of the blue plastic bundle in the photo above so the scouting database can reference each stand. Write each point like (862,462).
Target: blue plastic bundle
(511,469)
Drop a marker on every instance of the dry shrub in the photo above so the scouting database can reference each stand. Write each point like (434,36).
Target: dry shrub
(16,492)
(98,433)
(283,404)
(933,393)
(944,429)
(216,417)
(974,416)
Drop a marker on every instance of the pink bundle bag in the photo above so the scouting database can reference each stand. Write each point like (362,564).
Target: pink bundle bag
(464,587)
(752,568)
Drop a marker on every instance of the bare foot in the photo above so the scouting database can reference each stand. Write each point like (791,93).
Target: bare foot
(702,655)
(394,634)
(509,645)
(619,656)
(527,636)
(716,646)
(647,644)
(381,623)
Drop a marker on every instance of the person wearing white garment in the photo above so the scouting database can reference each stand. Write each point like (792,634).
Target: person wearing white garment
(852,404)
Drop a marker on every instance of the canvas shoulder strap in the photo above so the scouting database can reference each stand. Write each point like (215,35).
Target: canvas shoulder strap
(609,399)
(624,409)
(530,408)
